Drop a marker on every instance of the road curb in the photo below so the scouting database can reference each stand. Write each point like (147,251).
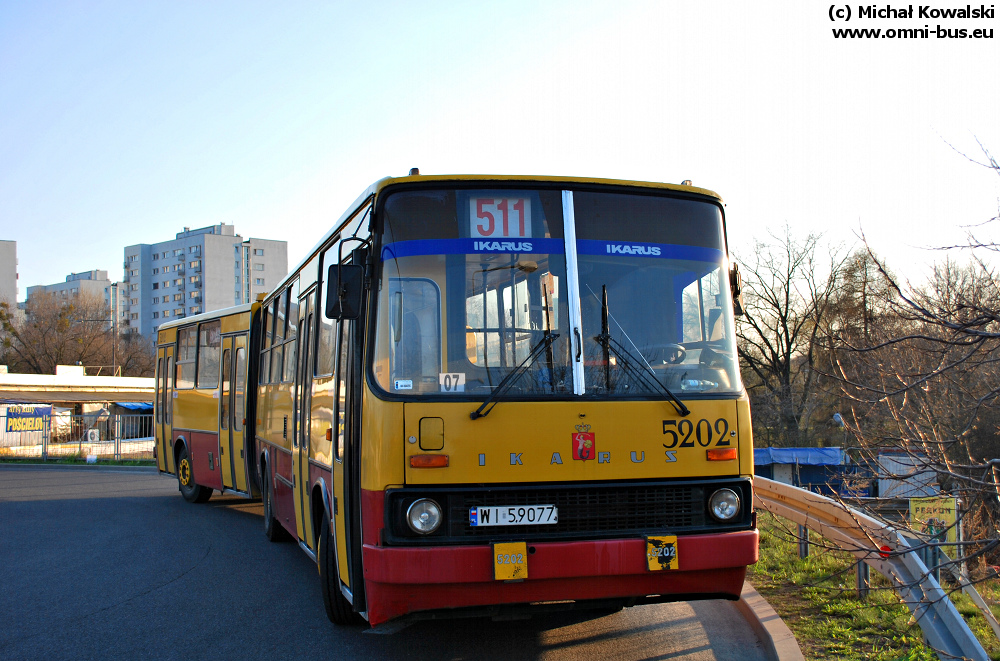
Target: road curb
(774,634)
(86,467)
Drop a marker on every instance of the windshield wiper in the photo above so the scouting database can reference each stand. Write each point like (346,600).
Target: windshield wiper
(547,339)
(628,360)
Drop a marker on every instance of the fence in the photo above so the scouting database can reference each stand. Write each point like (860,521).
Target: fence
(55,434)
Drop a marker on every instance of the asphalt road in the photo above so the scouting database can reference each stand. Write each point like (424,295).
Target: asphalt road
(114,564)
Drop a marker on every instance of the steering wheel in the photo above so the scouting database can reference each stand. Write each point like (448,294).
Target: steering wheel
(666,354)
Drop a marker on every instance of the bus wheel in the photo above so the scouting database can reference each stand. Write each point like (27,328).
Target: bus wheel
(193,493)
(338,609)
(272,528)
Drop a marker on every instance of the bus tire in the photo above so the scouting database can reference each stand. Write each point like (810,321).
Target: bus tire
(338,609)
(193,493)
(272,527)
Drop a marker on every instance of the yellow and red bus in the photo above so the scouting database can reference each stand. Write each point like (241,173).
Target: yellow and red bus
(496,394)
(201,403)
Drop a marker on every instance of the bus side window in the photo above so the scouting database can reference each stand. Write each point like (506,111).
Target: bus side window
(265,347)
(290,335)
(280,307)
(187,349)
(209,346)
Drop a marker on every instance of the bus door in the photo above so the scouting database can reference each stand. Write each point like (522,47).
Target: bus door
(347,454)
(341,494)
(303,406)
(232,415)
(225,453)
(164,408)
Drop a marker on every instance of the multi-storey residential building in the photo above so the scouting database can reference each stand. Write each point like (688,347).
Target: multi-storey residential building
(8,271)
(94,283)
(198,271)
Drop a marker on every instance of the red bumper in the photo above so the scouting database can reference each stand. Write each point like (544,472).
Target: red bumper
(404,580)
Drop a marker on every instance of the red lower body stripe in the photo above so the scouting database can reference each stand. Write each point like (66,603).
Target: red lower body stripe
(405,580)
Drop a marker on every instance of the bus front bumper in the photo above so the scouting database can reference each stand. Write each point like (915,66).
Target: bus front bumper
(399,580)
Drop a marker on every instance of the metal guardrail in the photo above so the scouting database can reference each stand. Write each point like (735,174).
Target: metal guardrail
(885,550)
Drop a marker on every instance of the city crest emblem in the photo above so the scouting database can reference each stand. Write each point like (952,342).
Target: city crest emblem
(583,443)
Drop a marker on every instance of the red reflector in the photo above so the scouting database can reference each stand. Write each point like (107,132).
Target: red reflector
(725,454)
(428,461)
(329,433)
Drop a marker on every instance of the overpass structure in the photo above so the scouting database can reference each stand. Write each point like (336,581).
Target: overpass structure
(72,386)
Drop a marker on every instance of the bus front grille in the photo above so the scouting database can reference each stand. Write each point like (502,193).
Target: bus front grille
(605,510)
(586,511)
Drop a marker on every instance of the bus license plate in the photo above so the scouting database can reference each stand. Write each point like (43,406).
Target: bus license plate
(529,515)
(661,552)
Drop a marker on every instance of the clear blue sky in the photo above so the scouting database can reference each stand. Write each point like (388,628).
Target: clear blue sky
(123,122)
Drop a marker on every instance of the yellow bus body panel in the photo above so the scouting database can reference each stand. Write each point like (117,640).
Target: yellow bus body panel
(236,323)
(382,430)
(167,336)
(196,409)
(534,441)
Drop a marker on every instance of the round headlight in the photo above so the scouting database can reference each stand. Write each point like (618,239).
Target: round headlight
(424,516)
(724,505)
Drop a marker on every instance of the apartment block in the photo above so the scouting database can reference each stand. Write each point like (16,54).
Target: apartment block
(198,271)
(8,271)
(94,283)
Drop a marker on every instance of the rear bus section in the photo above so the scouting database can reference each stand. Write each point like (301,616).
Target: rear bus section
(203,414)
(552,410)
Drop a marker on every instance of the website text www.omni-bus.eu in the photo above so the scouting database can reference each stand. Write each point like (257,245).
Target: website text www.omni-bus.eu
(926,32)
(955,21)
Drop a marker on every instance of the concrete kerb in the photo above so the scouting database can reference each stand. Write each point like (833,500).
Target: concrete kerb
(88,467)
(773,633)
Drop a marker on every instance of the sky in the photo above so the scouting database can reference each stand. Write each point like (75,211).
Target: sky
(123,122)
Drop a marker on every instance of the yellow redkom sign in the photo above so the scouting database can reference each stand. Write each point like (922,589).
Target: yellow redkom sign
(932,516)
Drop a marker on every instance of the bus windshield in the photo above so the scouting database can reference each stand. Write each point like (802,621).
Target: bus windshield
(475,286)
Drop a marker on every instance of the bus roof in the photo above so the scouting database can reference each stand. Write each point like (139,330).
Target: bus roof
(422,178)
(206,316)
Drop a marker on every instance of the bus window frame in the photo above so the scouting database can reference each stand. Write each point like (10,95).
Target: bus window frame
(193,361)
(206,326)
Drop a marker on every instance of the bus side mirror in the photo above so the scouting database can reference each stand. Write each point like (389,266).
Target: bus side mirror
(344,289)
(736,286)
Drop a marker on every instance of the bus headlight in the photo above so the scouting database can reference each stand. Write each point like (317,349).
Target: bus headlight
(424,516)
(724,505)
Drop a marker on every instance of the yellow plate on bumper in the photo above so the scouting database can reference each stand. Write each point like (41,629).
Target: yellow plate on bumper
(510,561)
(661,552)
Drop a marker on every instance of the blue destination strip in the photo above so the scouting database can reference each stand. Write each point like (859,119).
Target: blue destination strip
(422,247)
(636,249)
(471,247)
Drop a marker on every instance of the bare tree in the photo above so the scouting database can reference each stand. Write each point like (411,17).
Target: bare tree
(789,286)
(76,330)
(919,374)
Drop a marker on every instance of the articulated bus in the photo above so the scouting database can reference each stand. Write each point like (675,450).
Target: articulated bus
(485,395)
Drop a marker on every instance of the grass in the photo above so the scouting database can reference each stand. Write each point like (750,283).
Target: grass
(816,598)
